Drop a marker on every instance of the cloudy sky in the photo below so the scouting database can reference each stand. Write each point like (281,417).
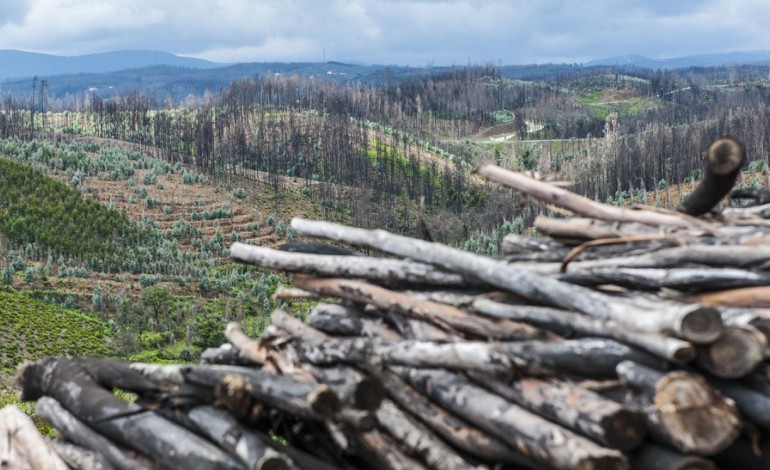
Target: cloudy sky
(441,32)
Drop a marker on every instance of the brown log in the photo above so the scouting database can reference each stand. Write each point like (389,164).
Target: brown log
(248,349)
(749,297)
(21,445)
(688,322)
(685,412)
(73,430)
(575,408)
(652,456)
(363,267)
(735,354)
(563,321)
(129,425)
(724,159)
(542,440)
(582,205)
(440,314)
(418,440)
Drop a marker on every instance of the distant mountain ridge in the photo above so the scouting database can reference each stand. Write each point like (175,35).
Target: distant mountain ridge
(20,64)
(700,60)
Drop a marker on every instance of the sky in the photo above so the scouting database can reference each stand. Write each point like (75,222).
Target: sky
(403,32)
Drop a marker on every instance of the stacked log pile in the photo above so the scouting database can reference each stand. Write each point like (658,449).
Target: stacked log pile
(626,338)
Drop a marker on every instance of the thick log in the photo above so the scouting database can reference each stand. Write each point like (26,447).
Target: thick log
(419,441)
(73,430)
(380,451)
(684,279)
(575,408)
(301,398)
(79,458)
(582,205)
(756,318)
(362,392)
(754,405)
(128,425)
(542,440)
(685,411)
(562,321)
(724,159)
(440,314)
(363,267)
(745,454)
(735,354)
(688,322)
(21,445)
(251,448)
(652,456)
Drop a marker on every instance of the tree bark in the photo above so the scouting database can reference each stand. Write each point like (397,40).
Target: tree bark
(724,159)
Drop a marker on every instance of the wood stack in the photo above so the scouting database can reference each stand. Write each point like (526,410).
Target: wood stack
(629,338)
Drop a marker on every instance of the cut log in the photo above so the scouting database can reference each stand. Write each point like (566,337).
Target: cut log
(575,408)
(685,411)
(724,159)
(735,354)
(419,441)
(688,322)
(562,322)
(362,267)
(440,314)
(653,456)
(79,458)
(542,440)
(128,425)
(380,451)
(73,430)
(362,392)
(21,445)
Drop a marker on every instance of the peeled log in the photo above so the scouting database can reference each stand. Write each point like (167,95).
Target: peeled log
(686,412)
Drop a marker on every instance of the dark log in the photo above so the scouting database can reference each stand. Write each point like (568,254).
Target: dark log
(685,279)
(126,424)
(419,441)
(565,322)
(575,408)
(724,159)
(761,196)
(300,398)
(79,458)
(685,411)
(363,267)
(248,446)
(689,322)
(343,320)
(362,392)
(440,314)
(224,355)
(73,430)
(735,354)
(21,445)
(380,451)
(745,454)
(753,404)
(539,439)
(652,456)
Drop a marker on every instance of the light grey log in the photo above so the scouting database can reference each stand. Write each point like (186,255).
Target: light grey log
(672,349)
(687,279)
(379,450)
(80,458)
(362,267)
(694,323)
(21,445)
(72,429)
(542,440)
(420,440)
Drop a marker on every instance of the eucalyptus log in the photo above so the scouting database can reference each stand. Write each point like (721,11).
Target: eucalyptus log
(689,322)
(562,321)
(580,204)
(575,408)
(684,410)
(380,451)
(343,320)
(418,439)
(128,425)
(363,267)
(514,243)
(724,159)
(754,405)
(79,458)
(748,297)
(576,230)
(301,398)
(685,279)
(440,314)
(21,445)
(653,456)
(745,454)
(251,448)
(69,427)
(735,354)
(761,196)
(534,436)
(223,355)
(248,349)
(362,392)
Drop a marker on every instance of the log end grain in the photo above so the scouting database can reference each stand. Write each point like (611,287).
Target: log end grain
(701,325)
(324,401)
(369,394)
(625,429)
(735,354)
(694,415)
(725,156)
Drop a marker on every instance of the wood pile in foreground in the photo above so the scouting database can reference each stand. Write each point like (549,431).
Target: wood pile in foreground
(626,338)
